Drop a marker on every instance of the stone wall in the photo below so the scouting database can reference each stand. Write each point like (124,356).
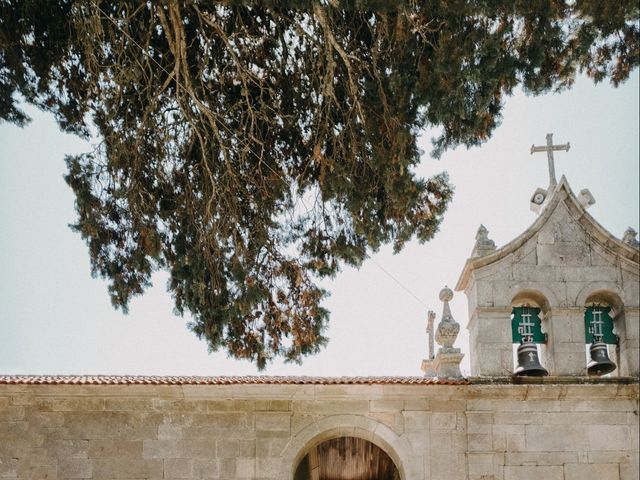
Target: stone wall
(555,431)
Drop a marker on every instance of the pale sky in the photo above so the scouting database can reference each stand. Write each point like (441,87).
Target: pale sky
(56,319)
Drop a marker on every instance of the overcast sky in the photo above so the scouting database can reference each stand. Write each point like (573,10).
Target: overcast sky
(56,319)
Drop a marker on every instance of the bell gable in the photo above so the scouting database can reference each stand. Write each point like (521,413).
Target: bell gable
(563,263)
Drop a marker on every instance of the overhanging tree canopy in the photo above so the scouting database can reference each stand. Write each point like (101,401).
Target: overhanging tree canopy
(250,150)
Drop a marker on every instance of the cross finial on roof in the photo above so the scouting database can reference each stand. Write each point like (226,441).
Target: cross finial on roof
(550,148)
(431,316)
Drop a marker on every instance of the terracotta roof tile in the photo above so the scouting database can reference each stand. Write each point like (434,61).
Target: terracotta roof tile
(228,380)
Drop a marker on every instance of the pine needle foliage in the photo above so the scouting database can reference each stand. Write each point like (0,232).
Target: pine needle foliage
(252,148)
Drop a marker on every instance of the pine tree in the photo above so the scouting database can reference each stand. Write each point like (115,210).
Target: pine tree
(252,149)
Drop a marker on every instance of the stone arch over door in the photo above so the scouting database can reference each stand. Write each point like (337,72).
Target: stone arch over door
(347,458)
(410,466)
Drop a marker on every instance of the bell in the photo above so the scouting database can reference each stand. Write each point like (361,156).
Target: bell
(528,363)
(600,363)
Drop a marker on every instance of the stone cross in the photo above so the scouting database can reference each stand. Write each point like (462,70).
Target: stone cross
(431,316)
(550,148)
(428,364)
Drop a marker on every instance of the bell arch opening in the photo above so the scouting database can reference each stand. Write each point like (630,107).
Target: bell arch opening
(530,311)
(604,325)
(532,298)
(346,458)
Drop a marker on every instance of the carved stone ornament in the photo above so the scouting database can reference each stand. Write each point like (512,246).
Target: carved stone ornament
(448,328)
(446,363)
(629,238)
(585,198)
(484,245)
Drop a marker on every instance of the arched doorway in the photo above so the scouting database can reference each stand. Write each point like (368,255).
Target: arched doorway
(346,458)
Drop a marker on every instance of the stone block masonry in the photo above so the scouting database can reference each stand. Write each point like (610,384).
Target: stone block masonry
(491,430)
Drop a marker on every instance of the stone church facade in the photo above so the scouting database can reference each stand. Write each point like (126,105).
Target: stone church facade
(493,425)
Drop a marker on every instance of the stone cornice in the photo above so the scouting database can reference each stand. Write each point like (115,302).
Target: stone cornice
(221,380)
(484,388)
(553,310)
